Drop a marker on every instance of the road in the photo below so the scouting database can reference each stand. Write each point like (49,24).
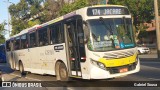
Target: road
(149,72)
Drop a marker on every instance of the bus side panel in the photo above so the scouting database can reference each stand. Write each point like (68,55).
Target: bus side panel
(34,55)
(42,60)
(59,54)
(23,56)
(48,62)
(16,58)
(9,59)
(47,56)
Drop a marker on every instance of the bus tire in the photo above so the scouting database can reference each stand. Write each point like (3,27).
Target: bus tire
(21,68)
(12,62)
(57,70)
(63,73)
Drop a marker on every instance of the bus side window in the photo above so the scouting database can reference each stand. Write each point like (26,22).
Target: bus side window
(24,41)
(57,34)
(32,39)
(17,43)
(43,37)
(8,46)
(52,37)
(61,34)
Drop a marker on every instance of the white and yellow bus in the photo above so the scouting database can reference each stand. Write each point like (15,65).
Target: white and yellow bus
(95,42)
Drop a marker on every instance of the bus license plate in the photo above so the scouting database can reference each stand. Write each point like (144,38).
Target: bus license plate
(123,70)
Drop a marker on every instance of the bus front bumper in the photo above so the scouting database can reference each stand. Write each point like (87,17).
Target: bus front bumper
(98,73)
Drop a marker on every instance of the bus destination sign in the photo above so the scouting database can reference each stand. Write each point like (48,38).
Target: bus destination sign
(102,11)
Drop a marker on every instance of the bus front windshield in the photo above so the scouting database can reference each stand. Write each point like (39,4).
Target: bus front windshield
(110,34)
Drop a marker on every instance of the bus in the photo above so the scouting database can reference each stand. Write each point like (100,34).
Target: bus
(94,42)
(2,53)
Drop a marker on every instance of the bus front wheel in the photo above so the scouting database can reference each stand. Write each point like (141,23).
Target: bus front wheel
(62,72)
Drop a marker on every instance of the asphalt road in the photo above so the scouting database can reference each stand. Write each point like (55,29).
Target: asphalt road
(150,71)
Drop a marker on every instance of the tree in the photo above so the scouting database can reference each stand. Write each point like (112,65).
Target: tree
(51,9)
(19,14)
(73,6)
(2,30)
(141,10)
(35,8)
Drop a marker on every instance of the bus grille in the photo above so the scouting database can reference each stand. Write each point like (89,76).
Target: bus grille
(119,54)
(114,70)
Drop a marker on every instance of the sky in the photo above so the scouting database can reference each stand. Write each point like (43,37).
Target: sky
(4,11)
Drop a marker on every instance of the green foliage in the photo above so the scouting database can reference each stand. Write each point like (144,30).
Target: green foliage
(66,8)
(34,7)
(74,6)
(33,23)
(2,38)
(141,10)
(18,25)
(19,14)
(22,12)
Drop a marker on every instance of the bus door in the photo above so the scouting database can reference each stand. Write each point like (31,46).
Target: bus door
(74,40)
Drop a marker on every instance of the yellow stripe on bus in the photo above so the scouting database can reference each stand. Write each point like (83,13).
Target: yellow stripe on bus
(118,62)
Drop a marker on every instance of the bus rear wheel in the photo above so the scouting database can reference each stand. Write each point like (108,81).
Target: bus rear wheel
(63,73)
(21,68)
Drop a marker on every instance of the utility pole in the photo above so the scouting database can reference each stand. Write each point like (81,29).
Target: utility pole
(8,18)
(8,2)
(157,27)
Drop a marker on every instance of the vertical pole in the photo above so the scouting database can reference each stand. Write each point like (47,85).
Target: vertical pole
(8,18)
(157,27)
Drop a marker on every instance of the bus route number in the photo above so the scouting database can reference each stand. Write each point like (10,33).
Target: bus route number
(106,11)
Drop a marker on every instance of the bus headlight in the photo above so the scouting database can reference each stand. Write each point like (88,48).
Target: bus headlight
(98,64)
